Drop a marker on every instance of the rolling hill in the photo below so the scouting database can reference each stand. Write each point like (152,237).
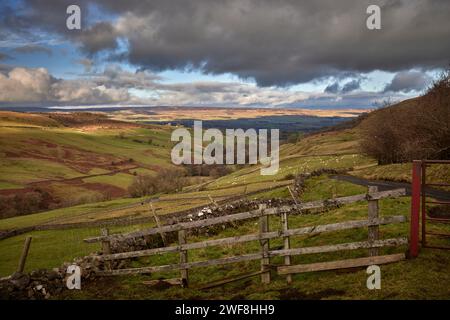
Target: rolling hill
(76,157)
(63,146)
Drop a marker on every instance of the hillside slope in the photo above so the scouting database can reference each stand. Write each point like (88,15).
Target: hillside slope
(330,150)
(413,129)
(76,158)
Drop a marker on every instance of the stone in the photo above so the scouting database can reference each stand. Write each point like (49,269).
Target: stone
(53,275)
(20,280)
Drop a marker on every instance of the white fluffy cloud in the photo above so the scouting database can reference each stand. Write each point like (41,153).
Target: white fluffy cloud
(22,84)
(37,85)
(117,86)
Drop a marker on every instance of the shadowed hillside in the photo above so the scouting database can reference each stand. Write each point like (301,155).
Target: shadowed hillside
(414,129)
(62,159)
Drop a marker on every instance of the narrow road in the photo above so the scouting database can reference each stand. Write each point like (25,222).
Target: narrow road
(440,195)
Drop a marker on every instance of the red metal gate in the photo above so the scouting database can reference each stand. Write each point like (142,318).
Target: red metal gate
(419,200)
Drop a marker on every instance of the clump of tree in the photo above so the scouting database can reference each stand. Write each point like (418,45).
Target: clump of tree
(25,203)
(38,200)
(416,129)
(165,181)
(294,137)
(205,170)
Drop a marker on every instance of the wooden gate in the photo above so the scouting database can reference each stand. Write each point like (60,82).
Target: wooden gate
(373,243)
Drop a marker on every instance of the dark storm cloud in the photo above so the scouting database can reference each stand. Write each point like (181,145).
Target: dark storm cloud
(98,37)
(332,88)
(10,19)
(31,48)
(351,86)
(115,76)
(335,88)
(408,81)
(274,42)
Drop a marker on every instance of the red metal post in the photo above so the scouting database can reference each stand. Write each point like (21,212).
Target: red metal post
(415,209)
(424,204)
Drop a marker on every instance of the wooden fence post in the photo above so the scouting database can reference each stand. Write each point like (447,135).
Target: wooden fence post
(213,201)
(183,258)
(287,244)
(333,192)
(265,261)
(106,247)
(292,195)
(158,224)
(23,257)
(373,214)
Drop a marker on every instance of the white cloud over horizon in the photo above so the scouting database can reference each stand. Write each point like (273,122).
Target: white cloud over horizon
(117,86)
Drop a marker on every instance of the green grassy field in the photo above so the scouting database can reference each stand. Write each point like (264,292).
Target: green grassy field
(47,240)
(54,216)
(49,249)
(233,185)
(291,167)
(342,142)
(121,180)
(70,148)
(399,280)
(401,172)
(77,164)
(421,278)
(32,170)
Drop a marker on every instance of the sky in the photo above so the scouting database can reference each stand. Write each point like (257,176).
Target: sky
(227,53)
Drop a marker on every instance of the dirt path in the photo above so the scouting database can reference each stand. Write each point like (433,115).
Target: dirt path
(440,195)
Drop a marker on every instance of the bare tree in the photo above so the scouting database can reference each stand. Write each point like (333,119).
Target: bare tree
(416,129)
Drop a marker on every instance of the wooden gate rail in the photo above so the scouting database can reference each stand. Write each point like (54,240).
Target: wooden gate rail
(248,215)
(341,264)
(257,256)
(311,230)
(264,236)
